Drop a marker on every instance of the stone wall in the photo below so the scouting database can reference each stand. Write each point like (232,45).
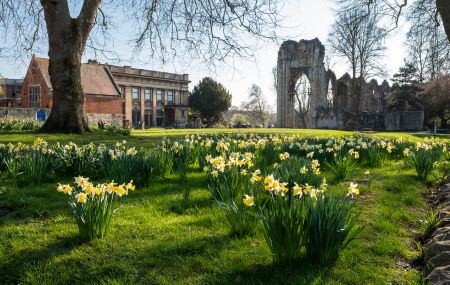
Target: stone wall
(437,249)
(107,119)
(22,113)
(404,121)
(394,121)
(30,113)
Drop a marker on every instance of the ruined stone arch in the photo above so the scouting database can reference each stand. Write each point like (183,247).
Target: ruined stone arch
(295,59)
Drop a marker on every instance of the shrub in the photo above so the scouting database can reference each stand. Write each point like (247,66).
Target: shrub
(93,206)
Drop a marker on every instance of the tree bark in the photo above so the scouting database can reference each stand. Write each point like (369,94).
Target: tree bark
(443,7)
(67,38)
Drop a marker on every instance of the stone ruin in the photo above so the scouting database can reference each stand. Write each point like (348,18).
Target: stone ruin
(331,102)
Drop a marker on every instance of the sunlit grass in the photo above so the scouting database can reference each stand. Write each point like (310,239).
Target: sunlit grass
(157,239)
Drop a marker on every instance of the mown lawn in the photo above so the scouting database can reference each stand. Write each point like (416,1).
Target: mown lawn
(156,239)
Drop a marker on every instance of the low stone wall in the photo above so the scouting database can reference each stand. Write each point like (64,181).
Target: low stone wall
(31,113)
(22,113)
(392,121)
(404,121)
(107,119)
(437,249)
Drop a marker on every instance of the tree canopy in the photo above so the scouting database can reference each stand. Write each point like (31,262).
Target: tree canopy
(210,100)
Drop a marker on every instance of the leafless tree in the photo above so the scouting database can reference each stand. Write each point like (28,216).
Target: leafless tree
(357,37)
(392,10)
(257,107)
(427,43)
(207,29)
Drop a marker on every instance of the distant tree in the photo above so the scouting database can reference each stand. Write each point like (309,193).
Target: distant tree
(357,37)
(239,119)
(257,107)
(391,10)
(427,44)
(435,99)
(302,102)
(404,98)
(407,74)
(210,100)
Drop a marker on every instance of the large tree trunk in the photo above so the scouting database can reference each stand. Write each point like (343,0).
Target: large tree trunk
(67,39)
(443,7)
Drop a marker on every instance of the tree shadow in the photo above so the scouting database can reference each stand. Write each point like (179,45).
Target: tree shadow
(297,273)
(15,266)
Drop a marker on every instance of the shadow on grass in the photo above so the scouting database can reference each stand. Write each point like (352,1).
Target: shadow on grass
(15,266)
(298,273)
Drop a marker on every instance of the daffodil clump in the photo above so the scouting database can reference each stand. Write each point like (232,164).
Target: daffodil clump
(302,221)
(429,157)
(93,205)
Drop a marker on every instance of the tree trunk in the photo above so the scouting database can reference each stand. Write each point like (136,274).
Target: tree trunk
(67,114)
(67,38)
(443,7)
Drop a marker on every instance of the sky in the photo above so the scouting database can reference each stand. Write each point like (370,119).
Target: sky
(306,19)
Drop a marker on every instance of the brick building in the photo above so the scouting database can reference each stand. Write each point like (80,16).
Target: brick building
(139,98)
(152,98)
(10,93)
(103,99)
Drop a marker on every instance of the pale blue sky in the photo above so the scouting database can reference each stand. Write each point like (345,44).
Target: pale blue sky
(306,19)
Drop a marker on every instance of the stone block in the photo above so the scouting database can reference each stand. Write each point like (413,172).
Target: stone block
(439,275)
(436,247)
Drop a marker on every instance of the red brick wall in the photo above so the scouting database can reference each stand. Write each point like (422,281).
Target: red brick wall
(94,104)
(103,104)
(35,77)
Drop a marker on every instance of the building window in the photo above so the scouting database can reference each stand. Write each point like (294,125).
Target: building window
(170,97)
(148,94)
(183,113)
(34,93)
(135,93)
(159,95)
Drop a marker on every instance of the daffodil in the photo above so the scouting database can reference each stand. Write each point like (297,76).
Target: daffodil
(353,189)
(297,190)
(81,198)
(248,200)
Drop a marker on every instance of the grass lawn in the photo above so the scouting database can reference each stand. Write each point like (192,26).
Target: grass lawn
(156,239)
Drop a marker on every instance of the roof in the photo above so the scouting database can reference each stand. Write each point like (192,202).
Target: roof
(96,79)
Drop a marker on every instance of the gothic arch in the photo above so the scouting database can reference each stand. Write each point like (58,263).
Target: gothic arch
(295,59)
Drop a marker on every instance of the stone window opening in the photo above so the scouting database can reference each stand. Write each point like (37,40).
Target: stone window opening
(302,99)
(330,96)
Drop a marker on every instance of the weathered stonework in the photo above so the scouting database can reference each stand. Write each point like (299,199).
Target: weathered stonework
(294,60)
(31,113)
(437,250)
(356,104)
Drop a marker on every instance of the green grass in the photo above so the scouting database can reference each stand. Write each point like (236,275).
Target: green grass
(150,137)
(156,239)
